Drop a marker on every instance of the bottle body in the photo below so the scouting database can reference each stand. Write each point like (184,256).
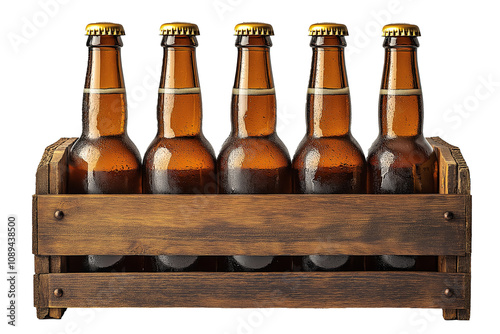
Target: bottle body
(253,160)
(104,160)
(180,160)
(328,160)
(401,161)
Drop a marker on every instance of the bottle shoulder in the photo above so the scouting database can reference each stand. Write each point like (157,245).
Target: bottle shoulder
(402,150)
(263,152)
(180,153)
(111,152)
(329,152)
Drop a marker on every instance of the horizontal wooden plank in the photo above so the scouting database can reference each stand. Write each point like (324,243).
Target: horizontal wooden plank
(295,290)
(251,224)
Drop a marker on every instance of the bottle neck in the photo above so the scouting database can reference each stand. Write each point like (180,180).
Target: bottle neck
(104,100)
(254,100)
(179,97)
(328,100)
(401,105)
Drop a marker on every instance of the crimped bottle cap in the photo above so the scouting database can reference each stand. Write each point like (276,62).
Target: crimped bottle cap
(179,29)
(328,29)
(400,29)
(254,28)
(104,28)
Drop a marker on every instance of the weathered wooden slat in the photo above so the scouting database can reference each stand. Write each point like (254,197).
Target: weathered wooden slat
(283,228)
(50,179)
(447,167)
(447,175)
(59,168)
(461,185)
(58,174)
(318,290)
(464,262)
(42,263)
(251,224)
(42,184)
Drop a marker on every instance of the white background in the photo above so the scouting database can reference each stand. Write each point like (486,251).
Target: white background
(43,64)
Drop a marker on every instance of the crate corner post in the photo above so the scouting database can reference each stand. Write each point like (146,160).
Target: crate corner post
(51,178)
(454,178)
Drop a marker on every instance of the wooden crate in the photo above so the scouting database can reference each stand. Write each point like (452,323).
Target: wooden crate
(434,224)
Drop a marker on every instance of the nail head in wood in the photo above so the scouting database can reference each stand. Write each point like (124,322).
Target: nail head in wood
(59,214)
(58,293)
(448,292)
(448,215)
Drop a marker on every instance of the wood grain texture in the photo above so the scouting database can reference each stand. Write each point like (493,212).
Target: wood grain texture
(251,224)
(42,185)
(318,290)
(447,175)
(50,179)
(464,262)
(59,168)
(461,184)
(447,167)
(58,179)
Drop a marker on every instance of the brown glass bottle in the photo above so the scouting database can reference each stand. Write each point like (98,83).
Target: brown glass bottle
(180,160)
(104,160)
(253,160)
(328,160)
(401,161)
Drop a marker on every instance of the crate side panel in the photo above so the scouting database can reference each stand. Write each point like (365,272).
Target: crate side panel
(251,224)
(319,290)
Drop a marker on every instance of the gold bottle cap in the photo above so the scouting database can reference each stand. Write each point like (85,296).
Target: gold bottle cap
(328,29)
(400,29)
(254,28)
(104,28)
(179,29)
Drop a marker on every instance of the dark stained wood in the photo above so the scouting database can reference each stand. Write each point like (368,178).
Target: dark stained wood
(50,179)
(447,167)
(447,185)
(42,172)
(464,262)
(42,184)
(59,168)
(251,224)
(58,175)
(41,262)
(40,296)
(313,289)
(461,182)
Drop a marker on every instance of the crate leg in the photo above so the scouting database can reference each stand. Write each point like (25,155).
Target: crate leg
(448,264)
(44,265)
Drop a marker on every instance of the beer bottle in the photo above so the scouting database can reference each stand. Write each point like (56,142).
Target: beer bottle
(104,160)
(253,160)
(401,161)
(179,160)
(328,160)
